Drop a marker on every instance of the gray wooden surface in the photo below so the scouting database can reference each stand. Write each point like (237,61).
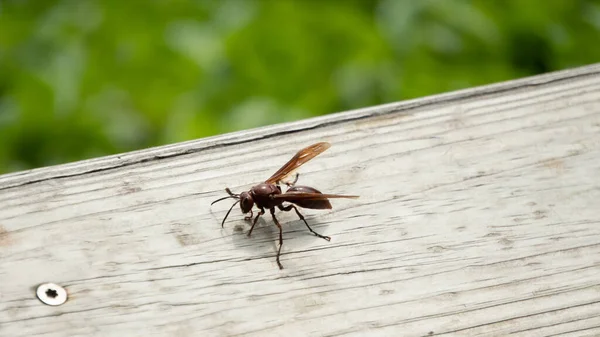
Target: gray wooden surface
(479,215)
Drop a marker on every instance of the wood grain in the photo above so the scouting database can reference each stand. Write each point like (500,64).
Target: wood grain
(479,215)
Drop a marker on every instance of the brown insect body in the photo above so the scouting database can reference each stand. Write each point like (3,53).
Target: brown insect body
(309,203)
(262,195)
(268,195)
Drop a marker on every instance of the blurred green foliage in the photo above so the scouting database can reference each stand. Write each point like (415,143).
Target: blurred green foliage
(86,78)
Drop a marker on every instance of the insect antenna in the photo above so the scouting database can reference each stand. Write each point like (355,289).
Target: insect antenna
(221,199)
(231,195)
(229,211)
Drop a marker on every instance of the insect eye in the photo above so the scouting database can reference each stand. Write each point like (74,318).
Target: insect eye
(246,202)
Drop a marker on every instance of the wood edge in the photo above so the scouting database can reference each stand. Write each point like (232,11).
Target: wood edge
(26,177)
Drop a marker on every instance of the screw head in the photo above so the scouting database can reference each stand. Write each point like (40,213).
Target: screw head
(51,294)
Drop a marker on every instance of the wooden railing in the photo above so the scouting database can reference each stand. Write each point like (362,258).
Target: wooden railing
(479,214)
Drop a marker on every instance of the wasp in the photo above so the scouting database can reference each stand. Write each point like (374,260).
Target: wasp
(269,195)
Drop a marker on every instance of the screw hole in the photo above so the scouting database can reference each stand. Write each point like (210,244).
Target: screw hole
(51,293)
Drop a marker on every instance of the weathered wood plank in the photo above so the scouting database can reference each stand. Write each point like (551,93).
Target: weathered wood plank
(479,215)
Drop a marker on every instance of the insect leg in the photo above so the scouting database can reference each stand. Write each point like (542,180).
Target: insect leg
(280,237)
(290,207)
(249,217)
(289,184)
(262,211)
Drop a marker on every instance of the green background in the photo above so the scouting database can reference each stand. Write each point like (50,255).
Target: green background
(83,78)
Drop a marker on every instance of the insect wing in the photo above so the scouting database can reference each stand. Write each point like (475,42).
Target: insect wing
(300,158)
(310,200)
(293,196)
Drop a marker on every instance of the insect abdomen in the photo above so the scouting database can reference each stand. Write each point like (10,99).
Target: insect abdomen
(312,204)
